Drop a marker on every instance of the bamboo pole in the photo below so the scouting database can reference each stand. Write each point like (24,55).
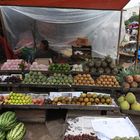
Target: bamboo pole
(119,38)
(138,37)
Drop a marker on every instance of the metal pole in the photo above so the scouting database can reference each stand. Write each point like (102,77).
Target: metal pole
(120,29)
(138,37)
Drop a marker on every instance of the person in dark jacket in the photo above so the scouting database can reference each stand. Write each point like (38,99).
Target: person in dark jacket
(44,51)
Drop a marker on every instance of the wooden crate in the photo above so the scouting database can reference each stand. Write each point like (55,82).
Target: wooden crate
(34,116)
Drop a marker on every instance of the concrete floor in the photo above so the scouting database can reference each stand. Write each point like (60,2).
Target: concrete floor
(52,130)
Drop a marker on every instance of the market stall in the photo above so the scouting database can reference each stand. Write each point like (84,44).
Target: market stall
(39,93)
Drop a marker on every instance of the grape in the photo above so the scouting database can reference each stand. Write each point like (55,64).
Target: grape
(81,137)
(13,79)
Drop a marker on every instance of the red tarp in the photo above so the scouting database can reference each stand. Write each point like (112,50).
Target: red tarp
(86,4)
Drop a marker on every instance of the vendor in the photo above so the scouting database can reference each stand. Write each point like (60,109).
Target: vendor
(44,51)
(5,50)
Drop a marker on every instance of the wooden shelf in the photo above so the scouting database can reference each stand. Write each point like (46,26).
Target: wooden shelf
(69,107)
(131,112)
(2,72)
(50,73)
(80,87)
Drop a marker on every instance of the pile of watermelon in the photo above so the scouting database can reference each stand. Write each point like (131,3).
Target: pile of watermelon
(10,129)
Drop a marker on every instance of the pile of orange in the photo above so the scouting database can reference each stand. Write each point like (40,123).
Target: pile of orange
(84,79)
(107,81)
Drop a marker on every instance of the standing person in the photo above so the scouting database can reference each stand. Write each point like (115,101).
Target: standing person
(5,48)
(44,51)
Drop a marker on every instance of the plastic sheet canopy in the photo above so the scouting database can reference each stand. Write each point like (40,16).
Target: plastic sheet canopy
(62,26)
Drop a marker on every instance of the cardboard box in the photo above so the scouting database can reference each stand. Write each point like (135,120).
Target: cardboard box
(45,61)
(82,42)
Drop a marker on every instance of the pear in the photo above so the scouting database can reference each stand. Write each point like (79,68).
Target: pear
(130,98)
(124,105)
(135,106)
(121,99)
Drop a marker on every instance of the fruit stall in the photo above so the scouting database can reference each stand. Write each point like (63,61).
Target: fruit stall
(40,94)
(86,101)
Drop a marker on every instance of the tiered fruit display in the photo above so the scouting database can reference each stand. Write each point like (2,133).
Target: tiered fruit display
(126,138)
(59,68)
(129,102)
(59,79)
(107,81)
(84,79)
(10,128)
(81,137)
(101,66)
(34,77)
(13,64)
(84,99)
(38,67)
(18,99)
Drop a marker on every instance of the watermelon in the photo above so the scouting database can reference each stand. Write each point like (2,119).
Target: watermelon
(7,120)
(17,133)
(2,135)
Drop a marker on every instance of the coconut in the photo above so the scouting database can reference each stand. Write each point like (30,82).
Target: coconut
(115,71)
(93,70)
(129,79)
(112,65)
(125,85)
(86,69)
(91,63)
(108,59)
(100,70)
(104,64)
(107,70)
(134,85)
(97,63)
(136,78)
